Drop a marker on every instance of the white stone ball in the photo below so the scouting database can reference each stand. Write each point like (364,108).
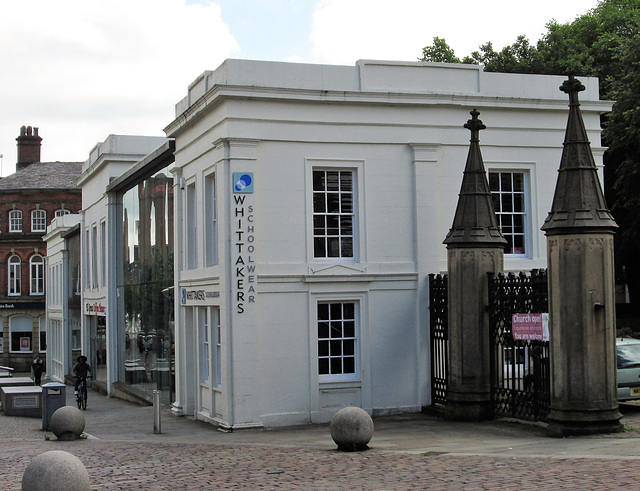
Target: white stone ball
(57,470)
(352,428)
(67,423)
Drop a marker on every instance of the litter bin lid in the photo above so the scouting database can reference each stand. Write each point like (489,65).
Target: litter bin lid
(54,384)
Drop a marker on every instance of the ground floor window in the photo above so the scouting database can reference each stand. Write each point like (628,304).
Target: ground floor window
(21,333)
(337,340)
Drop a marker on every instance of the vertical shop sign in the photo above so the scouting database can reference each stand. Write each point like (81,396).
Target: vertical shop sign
(244,269)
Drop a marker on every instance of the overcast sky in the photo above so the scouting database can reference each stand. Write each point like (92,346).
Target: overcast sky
(80,70)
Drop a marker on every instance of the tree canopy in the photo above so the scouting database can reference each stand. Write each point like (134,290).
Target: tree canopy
(605,43)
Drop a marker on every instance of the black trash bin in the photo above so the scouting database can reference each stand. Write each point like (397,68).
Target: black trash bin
(54,396)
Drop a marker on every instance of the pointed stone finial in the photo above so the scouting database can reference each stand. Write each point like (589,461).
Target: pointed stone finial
(475,220)
(578,202)
(475,125)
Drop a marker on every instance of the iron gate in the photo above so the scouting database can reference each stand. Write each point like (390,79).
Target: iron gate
(520,382)
(439,321)
(520,369)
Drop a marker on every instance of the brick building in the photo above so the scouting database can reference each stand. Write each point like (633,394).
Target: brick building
(29,199)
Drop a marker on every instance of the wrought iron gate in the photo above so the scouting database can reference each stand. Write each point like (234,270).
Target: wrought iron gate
(439,322)
(519,369)
(520,382)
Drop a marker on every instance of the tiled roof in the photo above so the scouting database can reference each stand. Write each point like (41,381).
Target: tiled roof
(44,175)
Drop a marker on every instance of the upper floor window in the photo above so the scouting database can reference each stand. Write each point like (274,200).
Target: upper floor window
(36,269)
(38,221)
(333,213)
(62,212)
(15,275)
(15,221)
(210,214)
(510,203)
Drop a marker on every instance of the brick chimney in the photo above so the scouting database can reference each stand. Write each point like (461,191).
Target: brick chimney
(29,144)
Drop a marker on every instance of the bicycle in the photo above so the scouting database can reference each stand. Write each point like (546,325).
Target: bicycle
(81,395)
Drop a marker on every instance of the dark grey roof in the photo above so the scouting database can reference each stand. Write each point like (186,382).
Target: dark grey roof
(44,175)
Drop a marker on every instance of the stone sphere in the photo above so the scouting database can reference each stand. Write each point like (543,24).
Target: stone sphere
(67,423)
(55,470)
(352,428)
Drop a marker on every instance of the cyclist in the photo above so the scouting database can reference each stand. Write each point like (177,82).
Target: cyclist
(80,370)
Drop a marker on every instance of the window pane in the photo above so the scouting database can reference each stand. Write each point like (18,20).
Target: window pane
(346,181)
(323,329)
(333,225)
(323,311)
(335,348)
(518,182)
(333,203)
(346,203)
(333,245)
(494,181)
(347,247)
(319,249)
(518,203)
(332,183)
(506,203)
(349,364)
(323,348)
(318,180)
(349,310)
(319,225)
(349,347)
(336,366)
(323,366)
(349,329)
(336,329)
(505,182)
(318,203)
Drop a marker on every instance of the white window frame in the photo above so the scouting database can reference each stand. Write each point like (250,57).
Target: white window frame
(526,213)
(103,253)
(324,335)
(14,275)
(357,169)
(94,256)
(191,232)
(36,274)
(211,220)
(204,324)
(38,220)
(218,347)
(28,320)
(62,212)
(15,221)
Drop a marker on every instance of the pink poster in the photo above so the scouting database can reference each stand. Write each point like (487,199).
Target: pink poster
(530,327)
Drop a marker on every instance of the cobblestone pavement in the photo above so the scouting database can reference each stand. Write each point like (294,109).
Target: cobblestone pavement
(407,452)
(179,466)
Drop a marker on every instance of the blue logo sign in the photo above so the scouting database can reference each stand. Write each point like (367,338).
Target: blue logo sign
(184,296)
(243,182)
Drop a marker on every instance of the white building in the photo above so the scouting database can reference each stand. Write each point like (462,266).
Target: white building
(311,205)
(104,329)
(63,294)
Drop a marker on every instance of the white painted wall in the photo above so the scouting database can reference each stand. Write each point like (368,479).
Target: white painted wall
(400,127)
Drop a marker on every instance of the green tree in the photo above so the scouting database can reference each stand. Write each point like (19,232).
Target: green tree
(605,43)
(439,51)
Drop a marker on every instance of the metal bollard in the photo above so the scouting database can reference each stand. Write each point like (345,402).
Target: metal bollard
(156,412)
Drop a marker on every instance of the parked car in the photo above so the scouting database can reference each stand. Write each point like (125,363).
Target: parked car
(628,354)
